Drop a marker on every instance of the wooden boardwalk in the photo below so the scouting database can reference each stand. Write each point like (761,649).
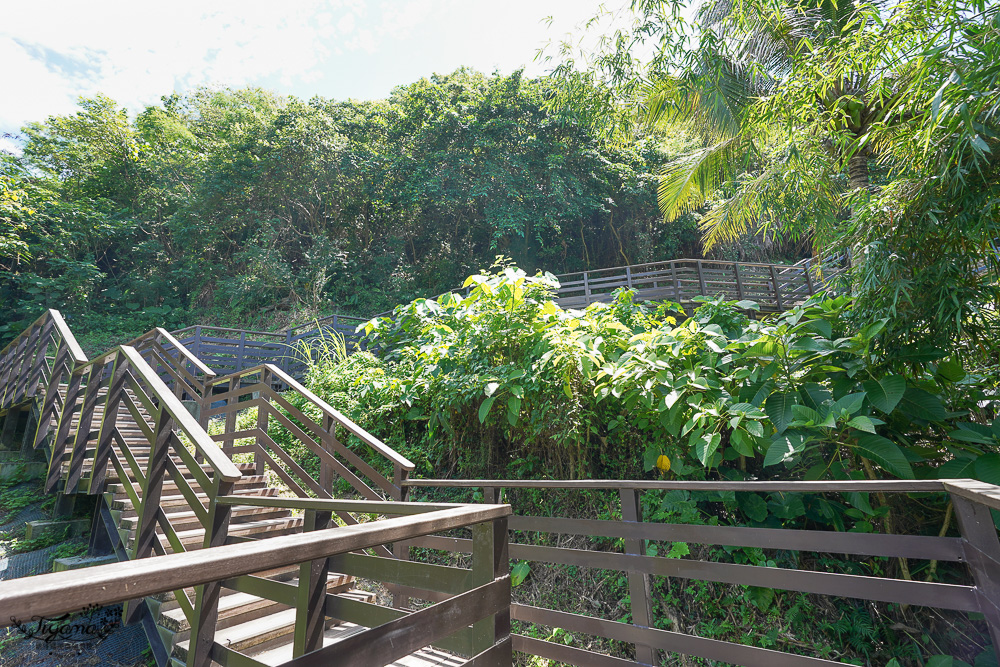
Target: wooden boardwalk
(774,287)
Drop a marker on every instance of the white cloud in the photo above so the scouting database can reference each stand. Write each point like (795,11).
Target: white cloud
(135,52)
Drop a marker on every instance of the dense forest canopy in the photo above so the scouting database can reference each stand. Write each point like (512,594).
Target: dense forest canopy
(242,202)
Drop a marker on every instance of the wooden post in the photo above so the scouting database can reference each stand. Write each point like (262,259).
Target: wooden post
(490,561)
(196,343)
(262,417)
(241,355)
(59,442)
(105,437)
(739,281)
(285,361)
(326,474)
(677,283)
(628,277)
(777,288)
(586,288)
(638,583)
(310,599)
(232,403)
(94,380)
(701,280)
(206,602)
(809,280)
(400,550)
(982,552)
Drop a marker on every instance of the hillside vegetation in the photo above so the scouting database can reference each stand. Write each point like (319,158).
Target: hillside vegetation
(242,207)
(505,384)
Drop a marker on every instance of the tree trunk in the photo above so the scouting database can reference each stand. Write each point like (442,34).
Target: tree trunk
(857,171)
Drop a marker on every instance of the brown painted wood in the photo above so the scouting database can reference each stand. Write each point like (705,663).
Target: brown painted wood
(425,576)
(638,582)
(566,654)
(982,550)
(942,596)
(405,635)
(885,486)
(862,544)
(711,649)
(310,600)
(62,592)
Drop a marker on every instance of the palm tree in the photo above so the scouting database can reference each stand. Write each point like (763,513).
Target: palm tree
(789,100)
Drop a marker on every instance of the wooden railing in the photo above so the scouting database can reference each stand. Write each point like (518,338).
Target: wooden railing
(774,287)
(81,407)
(474,621)
(235,350)
(978,548)
(313,424)
(176,365)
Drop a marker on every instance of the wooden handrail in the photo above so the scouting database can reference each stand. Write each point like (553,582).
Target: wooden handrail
(978,549)
(60,325)
(185,422)
(832,486)
(325,408)
(65,592)
(363,435)
(335,505)
(974,490)
(181,349)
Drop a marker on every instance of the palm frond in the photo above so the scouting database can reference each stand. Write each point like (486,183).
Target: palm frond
(686,183)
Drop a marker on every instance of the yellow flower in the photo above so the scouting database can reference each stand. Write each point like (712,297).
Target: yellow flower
(663,463)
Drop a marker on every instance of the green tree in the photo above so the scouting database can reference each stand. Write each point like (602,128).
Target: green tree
(823,120)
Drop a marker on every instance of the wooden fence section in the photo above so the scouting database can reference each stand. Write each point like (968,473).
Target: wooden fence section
(313,423)
(978,547)
(235,350)
(474,622)
(774,287)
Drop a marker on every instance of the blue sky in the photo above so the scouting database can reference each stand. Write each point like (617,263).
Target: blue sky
(136,51)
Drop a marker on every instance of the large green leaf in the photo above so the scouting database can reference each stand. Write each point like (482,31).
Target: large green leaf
(884,452)
(850,403)
(886,393)
(779,409)
(951,370)
(987,468)
(784,448)
(958,468)
(752,505)
(705,446)
(484,409)
(923,405)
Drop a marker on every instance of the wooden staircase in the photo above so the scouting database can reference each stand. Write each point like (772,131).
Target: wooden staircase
(247,623)
(132,427)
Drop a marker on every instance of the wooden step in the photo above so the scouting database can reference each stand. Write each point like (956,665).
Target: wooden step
(237,608)
(121,502)
(426,657)
(194,538)
(170,487)
(266,632)
(184,519)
